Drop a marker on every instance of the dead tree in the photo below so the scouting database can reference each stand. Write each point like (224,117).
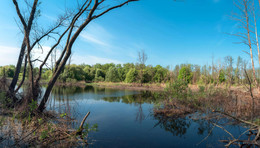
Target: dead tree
(94,9)
(142,58)
(30,41)
(27,26)
(256,33)
(244,19)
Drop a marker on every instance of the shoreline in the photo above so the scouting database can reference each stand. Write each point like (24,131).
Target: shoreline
(130,86)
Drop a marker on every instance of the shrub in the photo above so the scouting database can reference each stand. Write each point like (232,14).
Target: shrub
(112,75)
(201,89)
(185,74)
(99,76)
(131,76)
(221,76)
(47,75)
(178,89)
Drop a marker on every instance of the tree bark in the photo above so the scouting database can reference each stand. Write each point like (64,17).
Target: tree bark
(70,41)
(18,68)
(249,41)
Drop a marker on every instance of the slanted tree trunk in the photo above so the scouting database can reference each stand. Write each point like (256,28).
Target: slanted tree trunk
(71,38)
(18,67)
(24,74)
(27,26)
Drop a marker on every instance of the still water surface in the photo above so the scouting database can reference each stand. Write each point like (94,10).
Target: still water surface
(125,119)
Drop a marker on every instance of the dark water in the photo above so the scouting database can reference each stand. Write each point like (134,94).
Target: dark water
(125,119)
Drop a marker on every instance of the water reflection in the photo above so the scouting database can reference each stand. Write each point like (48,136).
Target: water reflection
(125,119)
(177,126)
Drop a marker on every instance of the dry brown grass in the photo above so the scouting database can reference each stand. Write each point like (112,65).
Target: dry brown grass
(41,130)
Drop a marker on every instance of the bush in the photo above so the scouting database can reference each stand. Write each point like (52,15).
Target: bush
(47,75)
(185,74)
(201,89)
(221,76)
(131,76)
(99,79)
(178,90)
(99,76)
(8,71)
(112,75)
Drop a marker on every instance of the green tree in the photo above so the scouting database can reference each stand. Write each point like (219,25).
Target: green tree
(121,72)
(160,74)
(76,72)
(8,70)
(185,74)
(131,76)
(221,76)
(89,73)
(47,75)
(112,75)
(100,75)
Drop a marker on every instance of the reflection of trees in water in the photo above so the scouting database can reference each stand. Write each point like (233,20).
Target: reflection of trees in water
(204,126)
(142,97)
(177,126)
(63,96)
(138,100)
(139,114)
(70,90)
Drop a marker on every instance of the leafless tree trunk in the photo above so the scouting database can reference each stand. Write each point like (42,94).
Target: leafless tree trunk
(256,34)
(24,74)
(33,91)
(73,35)
(142,58)
(27,26)
(249,39)
(18,68)
(244,19)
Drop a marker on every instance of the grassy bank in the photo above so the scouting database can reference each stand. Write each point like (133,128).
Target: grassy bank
(131,86)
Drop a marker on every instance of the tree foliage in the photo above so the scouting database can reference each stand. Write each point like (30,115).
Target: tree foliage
(185,74)
(112,75)
(131,76)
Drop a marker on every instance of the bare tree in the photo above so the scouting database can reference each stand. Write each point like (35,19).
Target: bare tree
(27,26)
(29,42)
(229,68)
(142,58)
(88,11)
(256,34)
(244,19)
(93,9)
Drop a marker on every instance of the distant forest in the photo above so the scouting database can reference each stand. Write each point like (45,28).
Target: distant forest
(229,71)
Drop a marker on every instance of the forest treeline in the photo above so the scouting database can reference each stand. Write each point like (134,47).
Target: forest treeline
(229,71)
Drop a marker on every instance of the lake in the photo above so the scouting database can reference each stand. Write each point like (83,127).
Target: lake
(125,119)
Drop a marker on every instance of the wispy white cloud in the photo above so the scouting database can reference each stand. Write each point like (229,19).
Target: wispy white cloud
(8,55)
(93,39)
(91,60)
(98,37)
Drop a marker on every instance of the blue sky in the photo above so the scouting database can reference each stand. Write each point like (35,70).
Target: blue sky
(187,31)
